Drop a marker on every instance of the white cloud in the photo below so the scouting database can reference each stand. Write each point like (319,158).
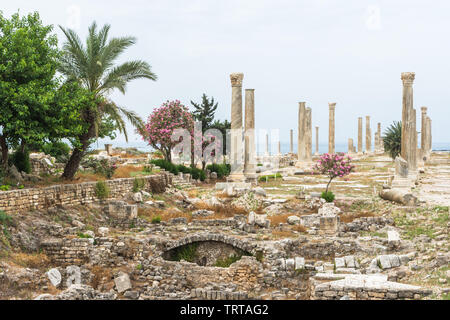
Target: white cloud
(373,17)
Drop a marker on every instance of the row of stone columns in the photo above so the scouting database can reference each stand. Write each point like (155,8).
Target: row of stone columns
(410,156)
(409,135)
(243,166)
(309,140)
(378,142)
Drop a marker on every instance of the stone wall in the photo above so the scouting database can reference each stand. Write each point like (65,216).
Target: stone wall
(184,279)
(104,251)
(73,194)
(67,251)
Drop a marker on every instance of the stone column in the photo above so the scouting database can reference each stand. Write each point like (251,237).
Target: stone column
(423,134)
(317,141)
(380,140)
(279,148)
(407,105)
(250,150)
(360,135)
(368,135)
(350,145)
(429,136)
(108,148)
(301,151)
(331,132)
(267,153)
(308,135)
(412,162)
(292,142)
(236,157)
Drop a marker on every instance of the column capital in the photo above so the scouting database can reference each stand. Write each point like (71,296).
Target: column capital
(236,79)
(424,109)
(332,105)
(302,103)
(408,78)
(250,90)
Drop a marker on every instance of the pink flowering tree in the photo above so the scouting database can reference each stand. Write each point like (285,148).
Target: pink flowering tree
(334,166)
(162,123)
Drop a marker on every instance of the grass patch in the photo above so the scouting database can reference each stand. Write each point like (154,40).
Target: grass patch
(30,260)
(149,214)
(83,235)
(227,262)
(127,171)
(299,228)
(268,177)
(442,219)
(278,234)
(349,217)
(187,253)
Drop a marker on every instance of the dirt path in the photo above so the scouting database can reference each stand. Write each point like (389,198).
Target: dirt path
(434,187)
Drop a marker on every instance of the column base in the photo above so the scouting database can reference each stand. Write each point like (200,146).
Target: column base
(237,177)
(304,164)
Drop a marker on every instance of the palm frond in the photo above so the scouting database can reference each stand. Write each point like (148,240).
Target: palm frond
(392,139)
(113,49)
(119,76)
(74,58)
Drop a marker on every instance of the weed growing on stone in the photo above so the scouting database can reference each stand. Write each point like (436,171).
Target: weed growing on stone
(101,190)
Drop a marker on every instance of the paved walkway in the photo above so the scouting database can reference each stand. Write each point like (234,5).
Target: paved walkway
(434,187)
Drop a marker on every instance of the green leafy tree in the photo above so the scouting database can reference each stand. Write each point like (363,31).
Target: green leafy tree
(94,67)
(28,62)
(392,139)
(205,111)
(223,126)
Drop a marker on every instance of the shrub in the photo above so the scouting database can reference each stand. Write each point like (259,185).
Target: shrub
(175,169)
(102,167)
(183,169)
(187,253)
(156,219)
(58,149)
(198,174)
(83,235)
(4,187)
(166,165)
(101,190)
(5,221)
(270,176)
(21,161)
(138,184)
(222,170)
(328,196)
(392,139)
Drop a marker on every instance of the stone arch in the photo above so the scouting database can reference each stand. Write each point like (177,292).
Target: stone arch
(235,242)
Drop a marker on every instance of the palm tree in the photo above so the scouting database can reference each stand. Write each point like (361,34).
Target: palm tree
(392,139)
(94,67)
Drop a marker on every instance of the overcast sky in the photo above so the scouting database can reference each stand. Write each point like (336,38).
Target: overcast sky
(350,52)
